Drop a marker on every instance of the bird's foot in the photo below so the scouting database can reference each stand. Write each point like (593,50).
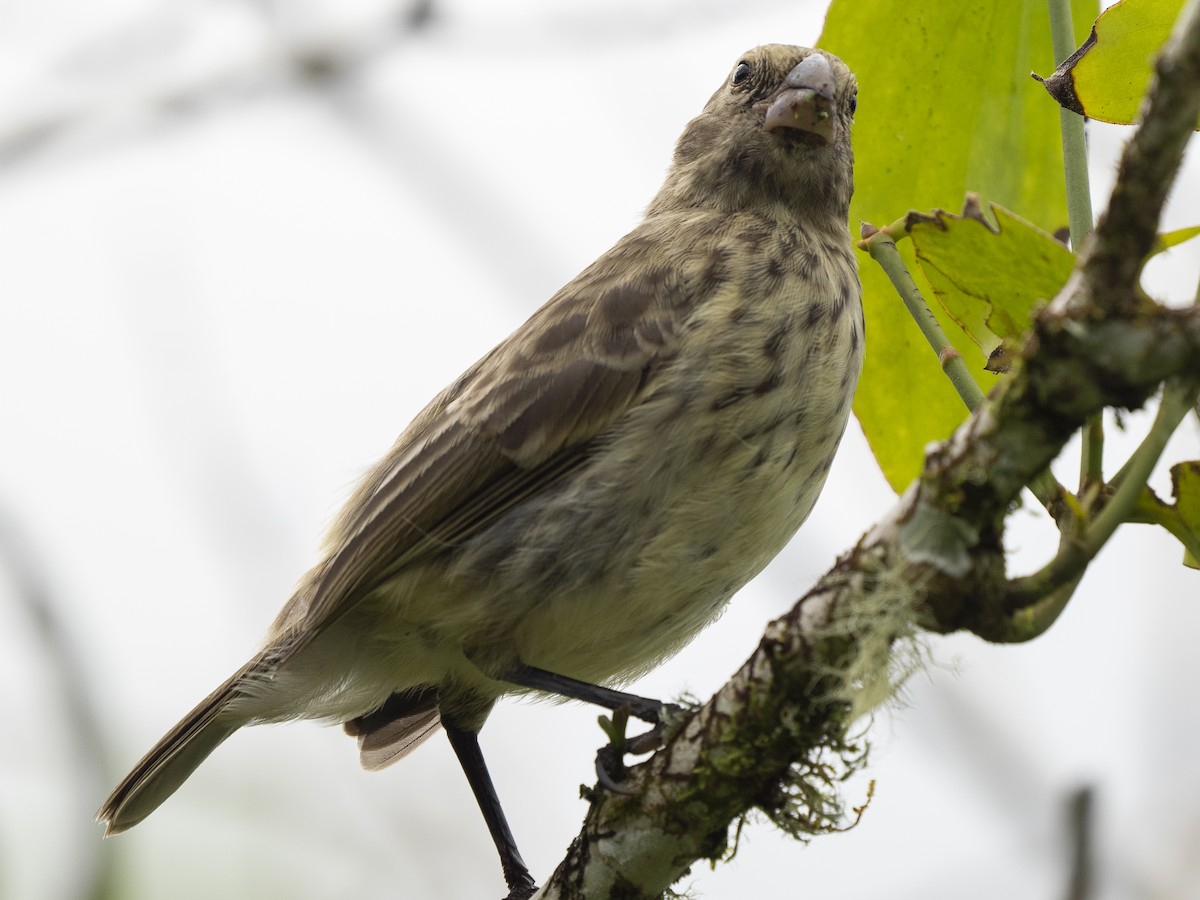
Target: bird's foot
(610,759)
(520,885)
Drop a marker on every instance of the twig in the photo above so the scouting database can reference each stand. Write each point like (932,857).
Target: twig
(1079,215)
(1178,399)
(881,246)
(883,250)
(1080,808)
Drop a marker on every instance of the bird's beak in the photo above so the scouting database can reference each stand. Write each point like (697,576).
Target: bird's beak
(806,101)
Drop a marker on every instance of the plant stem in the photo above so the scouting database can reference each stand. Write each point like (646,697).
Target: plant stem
(883,250)
(1079,195)
(1074,555)
(1079,215)
(1091,455)
(1035,620)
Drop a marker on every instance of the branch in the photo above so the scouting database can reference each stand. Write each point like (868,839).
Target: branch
(1178,399)
(937,560)
(275,61)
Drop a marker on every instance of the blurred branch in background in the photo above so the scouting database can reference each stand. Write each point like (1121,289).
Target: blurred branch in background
(1080,824)
(180,60)
(70,701)
(183,58)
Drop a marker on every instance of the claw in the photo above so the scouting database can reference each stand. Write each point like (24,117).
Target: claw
(606,758)
(522,891)
(610,765)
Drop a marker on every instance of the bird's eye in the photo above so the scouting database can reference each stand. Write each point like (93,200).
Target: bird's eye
(741,72)
(853,104)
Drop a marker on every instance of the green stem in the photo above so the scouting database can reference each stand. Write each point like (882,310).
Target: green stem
(1035,620)
(1079,193)
(1079,215)
(883,250)
(1091,460)
(1074,555)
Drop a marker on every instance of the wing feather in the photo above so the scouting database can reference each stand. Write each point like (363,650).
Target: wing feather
(519,419)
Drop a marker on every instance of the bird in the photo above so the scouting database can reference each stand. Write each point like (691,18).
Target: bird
(590,494)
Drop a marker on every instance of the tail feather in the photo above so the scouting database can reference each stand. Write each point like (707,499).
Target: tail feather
(394,730)
(169,763)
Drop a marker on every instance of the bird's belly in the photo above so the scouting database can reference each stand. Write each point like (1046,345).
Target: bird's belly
(613,568)
(600,578)
(628,617)
(608,576)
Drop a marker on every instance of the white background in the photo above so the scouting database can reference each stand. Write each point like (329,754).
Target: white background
(225,288)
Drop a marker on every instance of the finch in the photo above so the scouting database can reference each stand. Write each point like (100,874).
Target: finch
(590,494)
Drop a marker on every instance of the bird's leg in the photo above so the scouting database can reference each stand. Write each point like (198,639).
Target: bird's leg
(609,758)
(470,757)
(644,708)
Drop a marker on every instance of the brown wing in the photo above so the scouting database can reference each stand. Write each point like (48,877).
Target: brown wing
(520,418)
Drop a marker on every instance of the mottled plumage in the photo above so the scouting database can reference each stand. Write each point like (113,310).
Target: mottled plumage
(591,493)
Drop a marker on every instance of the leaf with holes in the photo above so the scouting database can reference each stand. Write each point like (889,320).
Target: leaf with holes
(989,279)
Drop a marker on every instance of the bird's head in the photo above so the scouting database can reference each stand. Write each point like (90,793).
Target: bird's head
(775,138)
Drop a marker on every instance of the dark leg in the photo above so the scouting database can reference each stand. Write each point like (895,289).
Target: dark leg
(609,763)
(470,757)
(551,683)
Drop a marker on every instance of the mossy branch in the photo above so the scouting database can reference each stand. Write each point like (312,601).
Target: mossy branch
(936,560)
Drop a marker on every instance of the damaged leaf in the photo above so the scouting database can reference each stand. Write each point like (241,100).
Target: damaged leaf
(1107,76)
(1181,518)
(990,278)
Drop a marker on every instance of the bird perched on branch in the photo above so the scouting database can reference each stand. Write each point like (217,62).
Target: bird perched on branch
(590,494)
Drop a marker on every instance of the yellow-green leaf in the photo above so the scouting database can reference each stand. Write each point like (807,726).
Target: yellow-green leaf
(1107,76)
(946,106)
(1185,479)
(1170,239)
(1182,518)
(990,279)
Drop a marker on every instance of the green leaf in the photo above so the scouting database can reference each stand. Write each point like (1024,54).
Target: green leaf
(946,106)
(1107,76)
(1171,239)
(989,280)
(1182,518)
